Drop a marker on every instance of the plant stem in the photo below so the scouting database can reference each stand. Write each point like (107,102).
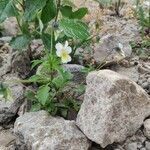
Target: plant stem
(58,9)
(52,34)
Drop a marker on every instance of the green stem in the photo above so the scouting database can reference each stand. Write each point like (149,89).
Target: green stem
(52,34)
(58,9)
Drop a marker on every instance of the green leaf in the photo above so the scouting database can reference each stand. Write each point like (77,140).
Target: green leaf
(7,9)
(68,12)
(35,63)
(41,25)
(74,29)
(43,94)
(46,38)
(36,107)
(30,95)
(49,11)
(79,14)
(20,42)
(32,7)
(62,79)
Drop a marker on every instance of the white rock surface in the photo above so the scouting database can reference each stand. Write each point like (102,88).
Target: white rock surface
(40,131)
(114,108)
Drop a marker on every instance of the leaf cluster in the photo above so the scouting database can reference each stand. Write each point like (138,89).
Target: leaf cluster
(34,17)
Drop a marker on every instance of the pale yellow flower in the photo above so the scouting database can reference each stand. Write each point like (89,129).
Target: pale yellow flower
(63,52)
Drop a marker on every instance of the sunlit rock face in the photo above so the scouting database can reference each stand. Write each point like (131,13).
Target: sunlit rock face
(114,107)
(40,131)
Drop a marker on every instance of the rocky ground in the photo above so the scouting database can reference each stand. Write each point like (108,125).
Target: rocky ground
(115,113)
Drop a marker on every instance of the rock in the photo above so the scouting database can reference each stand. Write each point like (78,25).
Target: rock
(6,138)
(143,148)
(144,81)
(5,60)
(131,72)
(107,49)
(10,26)
(15,86)
(3,148)
(132,146)
(147,128)
(114,108)
(127,30)
(37,48)
(8,110)
(40,131)
(138,138)
(147,145)
(21,64)
(4,40)
(76,70)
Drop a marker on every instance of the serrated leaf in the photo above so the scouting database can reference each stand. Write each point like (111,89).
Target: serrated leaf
(7,9)
(74,29)
(66,11)
(78,14)
(32,7)
(49,11)
(20,42)
(43,94)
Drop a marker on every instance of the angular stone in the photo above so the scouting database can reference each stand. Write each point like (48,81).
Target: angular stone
(147,145)
(21,64)
(6,137)
(107,49)
(132,146)
(114,107)
(39,130)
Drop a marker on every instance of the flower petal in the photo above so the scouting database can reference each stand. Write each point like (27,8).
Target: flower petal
(58,53)
(68,49)
(66,44)
(59,46)
(66,59)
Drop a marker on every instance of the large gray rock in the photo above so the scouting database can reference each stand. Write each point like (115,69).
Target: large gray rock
(40,131)
(107,49)
(114,107)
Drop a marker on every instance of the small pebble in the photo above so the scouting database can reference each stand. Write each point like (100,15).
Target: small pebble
(139,145)
(145,85)
(132,146)
(147,145)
